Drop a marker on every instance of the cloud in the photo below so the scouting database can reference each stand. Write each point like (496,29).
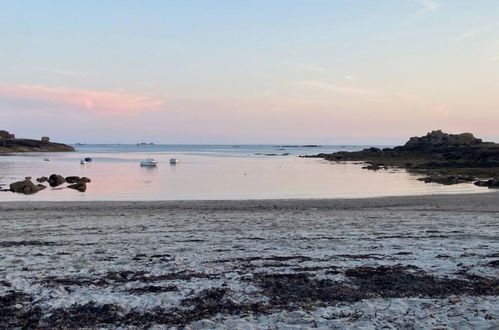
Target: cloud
(102,102)
(338,89)
(427,6)
(476,31)
(351,77)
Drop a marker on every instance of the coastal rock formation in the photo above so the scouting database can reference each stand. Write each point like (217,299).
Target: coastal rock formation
(56,180)
(6,135)
(439,139)
(72,179)
(444,158)
(492,183)
(26,187)
(10,144)
(42,179)
(80,186)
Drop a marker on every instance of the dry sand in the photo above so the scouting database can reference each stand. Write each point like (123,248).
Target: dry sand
(401,262)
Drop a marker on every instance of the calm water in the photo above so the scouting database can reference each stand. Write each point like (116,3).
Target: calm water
(211,172)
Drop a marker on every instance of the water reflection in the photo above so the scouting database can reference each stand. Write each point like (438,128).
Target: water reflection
(117,176)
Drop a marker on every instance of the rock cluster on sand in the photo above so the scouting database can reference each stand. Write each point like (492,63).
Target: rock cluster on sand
(10,144)
(56,180)
(26,186)
(444,158)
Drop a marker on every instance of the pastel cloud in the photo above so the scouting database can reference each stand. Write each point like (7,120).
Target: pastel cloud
(427,6)
(101,102)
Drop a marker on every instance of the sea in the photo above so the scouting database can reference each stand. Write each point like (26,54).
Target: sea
(211,172)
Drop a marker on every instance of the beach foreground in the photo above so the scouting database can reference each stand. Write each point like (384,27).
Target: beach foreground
(400,262)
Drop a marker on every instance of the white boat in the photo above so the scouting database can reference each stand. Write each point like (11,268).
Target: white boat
(148,162)
(82,162)
(173,160)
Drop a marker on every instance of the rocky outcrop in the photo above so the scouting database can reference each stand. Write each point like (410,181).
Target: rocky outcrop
(492,183)
(80,186)
(444,158)
(42,179)
(56,180)
(26,187)
(75,179)
(438,140)
(9,144)
(72,179)
(6,135)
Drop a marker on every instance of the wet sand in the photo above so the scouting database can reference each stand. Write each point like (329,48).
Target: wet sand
(428,261)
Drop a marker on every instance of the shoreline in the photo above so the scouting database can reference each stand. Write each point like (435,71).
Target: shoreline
(455,201)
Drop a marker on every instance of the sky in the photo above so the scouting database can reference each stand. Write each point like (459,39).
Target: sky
(248,71)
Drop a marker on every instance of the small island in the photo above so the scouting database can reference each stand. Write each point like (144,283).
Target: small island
(444,158)
(10,144)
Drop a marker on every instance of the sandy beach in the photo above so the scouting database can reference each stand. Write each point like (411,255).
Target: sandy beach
(398,262)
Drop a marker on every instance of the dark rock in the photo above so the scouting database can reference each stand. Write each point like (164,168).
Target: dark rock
(56,180)
(42,179)
(85,179)
(26,187)
(4,134)
(454,158)
(440,139)
(9,144)
(492,183)
(72,179)
(374,167)
(80,186)
(447,179)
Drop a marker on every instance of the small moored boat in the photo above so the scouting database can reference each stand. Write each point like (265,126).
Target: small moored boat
(82,162)
(87,159)
(148,162)
(46,159)
(173,160)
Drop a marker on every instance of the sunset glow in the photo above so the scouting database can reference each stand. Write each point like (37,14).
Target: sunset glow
(259,72)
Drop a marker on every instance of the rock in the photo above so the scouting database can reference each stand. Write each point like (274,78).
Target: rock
(447,179)
(56,180)
(374,167)
(492,183)
(26,187)
(10,144)
(72,179)
(4,134)
(27,178)
(76,179)
(438,139)
(42,179)
(454,158)
(80,186)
